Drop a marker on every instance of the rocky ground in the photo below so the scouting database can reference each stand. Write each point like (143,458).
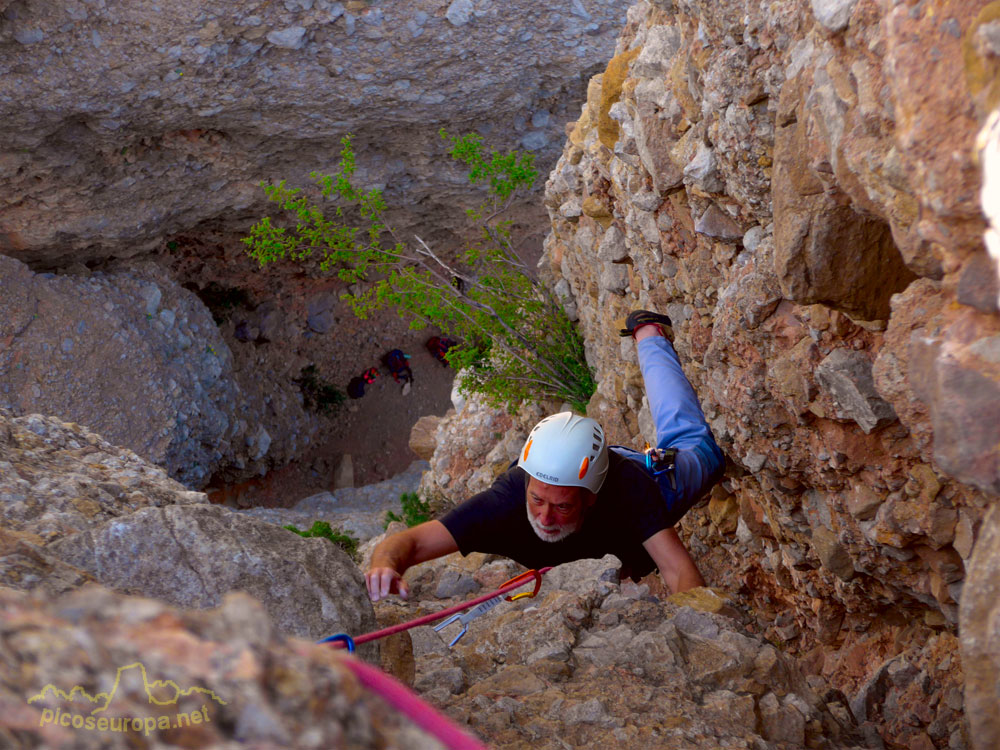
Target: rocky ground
(253,685)
(595,662)
(282,319)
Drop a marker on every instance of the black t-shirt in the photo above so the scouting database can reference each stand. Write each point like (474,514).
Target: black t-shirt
(629,509)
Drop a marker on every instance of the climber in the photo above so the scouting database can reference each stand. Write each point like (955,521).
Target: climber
(571,497)
(438,346)
(399,365)
(356,387)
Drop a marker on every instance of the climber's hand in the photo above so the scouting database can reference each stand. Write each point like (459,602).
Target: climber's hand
(397,553)
(384,581)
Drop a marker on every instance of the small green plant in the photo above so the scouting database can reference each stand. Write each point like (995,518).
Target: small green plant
(415,510)
(516,342)
(318,394)
(337,536)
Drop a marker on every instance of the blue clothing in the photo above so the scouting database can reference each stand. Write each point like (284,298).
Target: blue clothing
(680,424)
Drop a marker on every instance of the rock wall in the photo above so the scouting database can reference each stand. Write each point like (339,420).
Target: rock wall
(138,359)
(124,124)
(797,186)
(593,662)
(979,613)
(76,509)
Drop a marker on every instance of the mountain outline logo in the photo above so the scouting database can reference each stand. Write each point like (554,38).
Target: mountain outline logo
(108,697)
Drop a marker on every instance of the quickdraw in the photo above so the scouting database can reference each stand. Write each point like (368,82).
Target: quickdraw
(342,640)
(404,699)
(484,607)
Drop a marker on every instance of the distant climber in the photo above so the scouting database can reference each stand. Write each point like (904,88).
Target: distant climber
(356,387)
(438,346)
(399,366)
(571,496)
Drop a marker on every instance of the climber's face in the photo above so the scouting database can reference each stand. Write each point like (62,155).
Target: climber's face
(555,512)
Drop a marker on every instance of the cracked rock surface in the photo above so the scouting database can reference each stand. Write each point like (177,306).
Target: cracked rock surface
(193,555)
(125,123)
(592,662)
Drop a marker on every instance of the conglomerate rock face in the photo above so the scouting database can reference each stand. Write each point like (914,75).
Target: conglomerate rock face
(178,678)
(138,359)
(592,662)
(980,608)
(57,479)
(796,185)
(75,509)
(122,124)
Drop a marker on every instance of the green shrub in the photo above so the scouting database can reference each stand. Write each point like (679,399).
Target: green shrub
(337,536)
(318,394)
(515,341)
(415,510)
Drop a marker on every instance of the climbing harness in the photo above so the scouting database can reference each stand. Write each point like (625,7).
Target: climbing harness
(661,461)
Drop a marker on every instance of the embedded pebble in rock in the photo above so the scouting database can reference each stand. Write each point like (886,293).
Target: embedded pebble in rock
(833,14)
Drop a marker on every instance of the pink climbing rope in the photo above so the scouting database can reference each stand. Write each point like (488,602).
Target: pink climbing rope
(405,700)
(514,583)
(410,704)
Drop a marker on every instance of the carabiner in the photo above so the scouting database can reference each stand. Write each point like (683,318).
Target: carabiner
(340,638)
(524,577)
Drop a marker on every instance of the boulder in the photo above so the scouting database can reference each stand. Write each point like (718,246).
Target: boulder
(979,613)
(422,436)
(191,556)
(236,679)
(138,359)
(58,478)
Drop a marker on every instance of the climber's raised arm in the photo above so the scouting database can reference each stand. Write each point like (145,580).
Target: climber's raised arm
(399,552)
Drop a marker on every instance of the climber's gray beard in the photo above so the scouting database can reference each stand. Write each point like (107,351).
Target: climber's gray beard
(552,533)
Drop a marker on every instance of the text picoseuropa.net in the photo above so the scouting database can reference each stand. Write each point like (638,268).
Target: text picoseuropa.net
(145,724)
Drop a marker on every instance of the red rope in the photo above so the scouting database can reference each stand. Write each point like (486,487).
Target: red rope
(409,703)
(434,616)
(405,700)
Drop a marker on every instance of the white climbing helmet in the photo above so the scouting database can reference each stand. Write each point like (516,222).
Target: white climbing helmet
(566,450)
